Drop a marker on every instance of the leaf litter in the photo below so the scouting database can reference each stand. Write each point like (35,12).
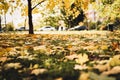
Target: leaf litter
(60,56)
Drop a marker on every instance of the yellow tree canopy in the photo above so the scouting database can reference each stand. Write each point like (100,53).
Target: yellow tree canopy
(4,6)
(66,5)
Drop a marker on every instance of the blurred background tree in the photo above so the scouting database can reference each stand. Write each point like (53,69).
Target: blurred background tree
(107,11)
(4,6)
(72,11)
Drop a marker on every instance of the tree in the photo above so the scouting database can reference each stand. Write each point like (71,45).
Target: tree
(1,6)
(30,17)
(72,10)
(74,15)
(30,9)
(108,9)
(0,24)
(3,10)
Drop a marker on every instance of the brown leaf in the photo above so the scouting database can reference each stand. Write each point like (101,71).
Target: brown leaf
(84,76)
(114,70)
(71,57)
(59,78)
(12,65)
(38,71)
(3,59)
(115,45)
(39,47)
(102,67)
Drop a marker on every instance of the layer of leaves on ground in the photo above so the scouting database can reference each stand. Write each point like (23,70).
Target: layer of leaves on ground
(86,56)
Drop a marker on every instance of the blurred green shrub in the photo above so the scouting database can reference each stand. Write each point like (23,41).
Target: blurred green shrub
(92,25)
(8,27)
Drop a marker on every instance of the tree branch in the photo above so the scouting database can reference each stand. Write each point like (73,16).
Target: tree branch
(38,4)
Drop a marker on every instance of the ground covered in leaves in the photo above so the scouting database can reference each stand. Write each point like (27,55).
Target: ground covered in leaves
(83,56)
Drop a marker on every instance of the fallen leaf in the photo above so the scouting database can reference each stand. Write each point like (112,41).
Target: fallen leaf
(84,76)
(80,67)
(104,47)
(102,68)
(115,61)
(38,71)
(36,66)
(71,57)
(82,58)
(12,65)
(59,78)
(114,70)
(3,59)
(39,47)
(94,76)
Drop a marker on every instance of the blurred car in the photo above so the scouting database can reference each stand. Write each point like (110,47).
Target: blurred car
(1,31)
(47,28)
(78,28)
(20,29)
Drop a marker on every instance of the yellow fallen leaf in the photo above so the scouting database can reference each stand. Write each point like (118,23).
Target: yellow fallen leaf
(71,57)
(12,65)
(36,66)
(38,71)
(82,58)
(59,78)
(102,67)
(80,67)
(3,59)
(9,49)
(114,70)
(39,47)
(115,61)
(1,53)
(104,47)
(84,76)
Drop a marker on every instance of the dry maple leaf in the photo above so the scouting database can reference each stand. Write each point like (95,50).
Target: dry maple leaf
(59,78)
(115,61)
(3,59)
(39,47)
(84,76)
(104,47)
(82,58)
(71,57)
(114,70)
(115,45)
(38,71)
(102,67)
(12,65)
(80,67)
(36,66)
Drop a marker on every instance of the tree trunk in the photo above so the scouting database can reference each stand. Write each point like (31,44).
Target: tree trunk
(0,24)
(25,22)
(5,19)
(30,17)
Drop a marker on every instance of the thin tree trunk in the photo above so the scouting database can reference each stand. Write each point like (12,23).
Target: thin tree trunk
(5,19)
(30,17)
(0,24)
(25,22)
